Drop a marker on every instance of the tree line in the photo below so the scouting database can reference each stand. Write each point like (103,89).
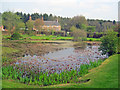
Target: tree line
(17,20)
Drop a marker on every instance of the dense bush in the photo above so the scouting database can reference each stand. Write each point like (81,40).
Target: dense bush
(30,32)
(15,36)
(79,35)
(109,43)
(95,35)
(56,33)
(118,46)
(59,33)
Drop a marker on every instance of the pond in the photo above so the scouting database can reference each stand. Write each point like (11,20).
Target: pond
(58,61)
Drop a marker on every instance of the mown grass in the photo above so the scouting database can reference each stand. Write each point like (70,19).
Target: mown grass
(49,37)
(104,76)
(93,39)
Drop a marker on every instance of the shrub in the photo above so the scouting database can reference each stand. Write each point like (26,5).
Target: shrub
(30,32)
(90,40)
(15,36)
(84,39)
(109,43)
(79,35)
(118,46)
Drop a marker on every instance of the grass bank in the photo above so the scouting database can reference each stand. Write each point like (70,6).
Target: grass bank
(104,76)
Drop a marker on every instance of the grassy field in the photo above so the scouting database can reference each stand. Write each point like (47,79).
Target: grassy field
(50,37)
(104,76)
(93,39)
(42,37)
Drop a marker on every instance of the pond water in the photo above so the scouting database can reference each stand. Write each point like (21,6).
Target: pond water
(65,59)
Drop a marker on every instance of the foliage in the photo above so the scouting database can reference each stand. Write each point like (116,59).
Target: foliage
(30,24)
(19,26)
(30,32)
(98,76)
(15,36)
(72,28)
(109,43)
(101,25)
(103,76)
(84,26)
(24,16)
(90,28)
(35,16)
(38,23)
(40,78)
(78,21)
(79,35)
(6,60)
(45,17)
(11,19)
(118,46)
(65,22)
(51,17)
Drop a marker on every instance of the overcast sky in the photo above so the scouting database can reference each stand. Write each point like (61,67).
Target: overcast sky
(92,9)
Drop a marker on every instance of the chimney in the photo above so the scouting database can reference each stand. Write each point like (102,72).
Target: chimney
(30,18)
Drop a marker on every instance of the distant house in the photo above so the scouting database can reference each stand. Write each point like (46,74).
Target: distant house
(50,25)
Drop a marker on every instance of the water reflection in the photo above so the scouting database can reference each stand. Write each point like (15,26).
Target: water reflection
(80,45)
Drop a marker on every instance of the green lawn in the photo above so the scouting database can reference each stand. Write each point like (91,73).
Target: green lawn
(93,39)
(104,76)
(50,37)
